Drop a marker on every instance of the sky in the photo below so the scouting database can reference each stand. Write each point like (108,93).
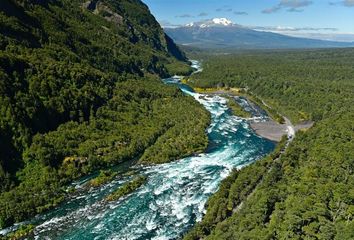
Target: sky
(321,19)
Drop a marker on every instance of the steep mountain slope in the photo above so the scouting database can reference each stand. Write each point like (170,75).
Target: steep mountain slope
(222,33)
(79,91)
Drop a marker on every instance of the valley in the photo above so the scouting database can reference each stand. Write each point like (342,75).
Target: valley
(173,197)
(109,131)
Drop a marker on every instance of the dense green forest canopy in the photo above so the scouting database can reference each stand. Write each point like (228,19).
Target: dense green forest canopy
(309,84)
(308,192)
(79,91)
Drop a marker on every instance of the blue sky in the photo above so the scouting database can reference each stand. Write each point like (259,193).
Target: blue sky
(324,19)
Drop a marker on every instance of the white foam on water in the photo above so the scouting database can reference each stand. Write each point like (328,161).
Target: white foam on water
(150,225)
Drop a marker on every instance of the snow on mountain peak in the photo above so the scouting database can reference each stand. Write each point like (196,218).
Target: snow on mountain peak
(222,21)
(211,23)
(190,24)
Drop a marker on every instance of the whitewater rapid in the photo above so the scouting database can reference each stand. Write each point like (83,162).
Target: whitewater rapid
(174,197)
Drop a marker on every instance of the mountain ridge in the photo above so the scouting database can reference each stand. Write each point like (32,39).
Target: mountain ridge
(222,33)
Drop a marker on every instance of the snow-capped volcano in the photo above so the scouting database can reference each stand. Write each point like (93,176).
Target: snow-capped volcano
(222,21)
(223,33)
(215,22)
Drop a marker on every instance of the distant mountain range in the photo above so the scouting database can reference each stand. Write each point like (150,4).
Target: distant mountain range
(222,33)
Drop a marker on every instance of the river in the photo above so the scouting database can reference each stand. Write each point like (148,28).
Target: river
(173,198)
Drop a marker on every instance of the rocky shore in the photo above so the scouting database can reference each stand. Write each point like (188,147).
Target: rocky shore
(274,131)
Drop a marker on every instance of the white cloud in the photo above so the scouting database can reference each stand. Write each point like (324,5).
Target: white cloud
(338,37)
(203,14)
(271,10)
(240,13)
(346,3)
(294,3)
(321,33)
(186,15)
(167,24)
(292,29)
(289,5)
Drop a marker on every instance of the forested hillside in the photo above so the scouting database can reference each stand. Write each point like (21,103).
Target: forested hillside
(308,193)
(79,91)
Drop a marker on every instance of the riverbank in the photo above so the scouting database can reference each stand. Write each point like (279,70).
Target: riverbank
(274,131)
(267,128)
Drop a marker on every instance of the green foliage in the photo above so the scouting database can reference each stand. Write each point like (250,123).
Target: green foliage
(79,92)
(303,85)
(274,114)
(127,188)
(143,118)
(105,176)
(307,193)
(178,68)
(236,108)
(23,232)
(39,190)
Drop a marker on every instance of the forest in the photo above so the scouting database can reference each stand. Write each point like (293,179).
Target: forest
(80,91)
(307,192)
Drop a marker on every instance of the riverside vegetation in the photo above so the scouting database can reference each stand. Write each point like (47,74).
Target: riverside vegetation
(80,91)
(127,188)
(308,192)
(103,177)
(236,108)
